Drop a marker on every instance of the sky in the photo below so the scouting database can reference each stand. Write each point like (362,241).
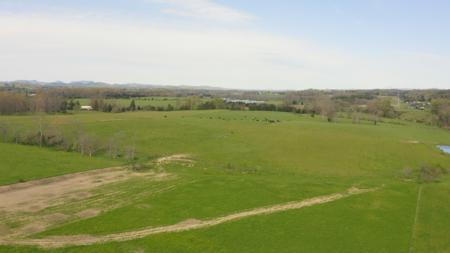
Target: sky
(245,44)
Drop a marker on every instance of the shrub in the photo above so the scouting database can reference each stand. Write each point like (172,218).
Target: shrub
(407,173)
(431,174)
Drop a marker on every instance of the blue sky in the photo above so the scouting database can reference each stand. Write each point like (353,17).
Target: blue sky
(236,44)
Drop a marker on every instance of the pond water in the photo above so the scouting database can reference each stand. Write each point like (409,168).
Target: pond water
(446,149)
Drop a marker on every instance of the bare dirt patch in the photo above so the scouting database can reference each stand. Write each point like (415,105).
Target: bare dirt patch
(62,241)
(55,217)
(28,229)
(189,222)
(89,213)
(178,158)
(36,206)
(4,230)
(412,142)
(109,120)
(36,195)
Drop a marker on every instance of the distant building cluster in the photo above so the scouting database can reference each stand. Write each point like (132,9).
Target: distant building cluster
(419,105)
(242,101)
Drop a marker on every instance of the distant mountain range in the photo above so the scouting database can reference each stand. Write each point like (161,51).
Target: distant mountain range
(86,84)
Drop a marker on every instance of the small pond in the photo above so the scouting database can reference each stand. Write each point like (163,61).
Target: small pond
(446,149)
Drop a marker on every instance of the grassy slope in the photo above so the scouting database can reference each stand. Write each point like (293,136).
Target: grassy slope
(294,159)
(378,222)
(23,163)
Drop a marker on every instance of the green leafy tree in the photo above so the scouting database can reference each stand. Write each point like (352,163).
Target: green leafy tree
(440,108)
(380,107)
(132,106)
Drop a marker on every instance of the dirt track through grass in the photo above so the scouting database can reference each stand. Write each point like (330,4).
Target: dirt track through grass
(77,240)
(416,216)
(35,206)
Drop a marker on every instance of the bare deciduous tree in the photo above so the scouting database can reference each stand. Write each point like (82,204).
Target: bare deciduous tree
(88,144)
(11,103)
(130,153)
(92,145)
(355,114)
(4,129)
(113,146)
(54,136)
(48,102)
(17,134)
(327,107)
(42,124)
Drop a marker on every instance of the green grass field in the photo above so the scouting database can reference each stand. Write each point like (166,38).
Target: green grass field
(143,101)
(244,162)
(23,163)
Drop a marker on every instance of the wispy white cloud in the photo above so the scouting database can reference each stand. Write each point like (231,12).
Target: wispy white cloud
(48,47)
(45,47)
(203,9)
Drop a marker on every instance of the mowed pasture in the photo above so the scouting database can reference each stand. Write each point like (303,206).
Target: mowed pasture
(238,161)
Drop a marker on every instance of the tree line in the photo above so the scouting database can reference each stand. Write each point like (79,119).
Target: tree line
(41,101)
(356,104)
(70,139)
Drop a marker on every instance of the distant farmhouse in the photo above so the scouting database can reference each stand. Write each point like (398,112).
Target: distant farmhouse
(86,108)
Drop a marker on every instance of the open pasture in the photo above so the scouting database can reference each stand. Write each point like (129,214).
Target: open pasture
(211,164)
